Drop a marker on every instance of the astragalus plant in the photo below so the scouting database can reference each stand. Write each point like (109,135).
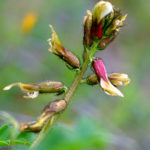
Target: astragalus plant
(101,27)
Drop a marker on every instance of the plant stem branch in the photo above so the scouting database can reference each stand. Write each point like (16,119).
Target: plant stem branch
(67,96)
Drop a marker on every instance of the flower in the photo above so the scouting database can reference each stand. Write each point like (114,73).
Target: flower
(29,22)
(119,79)
(101,9)
(57,49)
(104,81)
(34,89)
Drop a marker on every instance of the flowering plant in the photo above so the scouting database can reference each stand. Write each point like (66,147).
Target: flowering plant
(101,27)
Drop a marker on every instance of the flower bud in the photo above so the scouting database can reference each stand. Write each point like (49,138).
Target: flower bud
(59,50)
(92,79)
(101,10)
(119,79)
(34,89)
(56,106)
(87,28)
(104,82)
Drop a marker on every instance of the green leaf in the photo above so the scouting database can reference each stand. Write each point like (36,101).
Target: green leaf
(5,132)
(25,138)
(4,143)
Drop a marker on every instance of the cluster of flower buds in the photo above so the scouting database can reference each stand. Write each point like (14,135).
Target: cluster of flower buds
(57,49)
(102,24)
(34,89)
(51,109)
(107,82)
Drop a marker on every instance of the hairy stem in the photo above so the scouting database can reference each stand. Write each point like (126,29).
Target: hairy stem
(67,96)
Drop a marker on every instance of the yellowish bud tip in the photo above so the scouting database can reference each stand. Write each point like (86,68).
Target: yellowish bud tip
(124,17)
(88,12)
(10,86)
(51,27)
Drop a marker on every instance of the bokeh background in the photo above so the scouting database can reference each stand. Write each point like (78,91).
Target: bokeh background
(93,120)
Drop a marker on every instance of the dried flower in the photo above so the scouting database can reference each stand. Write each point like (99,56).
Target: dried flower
(105,83)
(34,89)
(59,50)
(52,108)
(119,79)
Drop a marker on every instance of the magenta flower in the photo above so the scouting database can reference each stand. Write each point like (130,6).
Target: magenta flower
(104,81)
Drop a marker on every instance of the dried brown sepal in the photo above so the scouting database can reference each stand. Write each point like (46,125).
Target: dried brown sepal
(56,106)
(105,42)
(71,59)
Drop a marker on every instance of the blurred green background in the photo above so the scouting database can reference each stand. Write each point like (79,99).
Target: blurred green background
(93,120)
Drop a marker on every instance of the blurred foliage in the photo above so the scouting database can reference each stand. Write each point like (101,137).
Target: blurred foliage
(25,58)
(86,134)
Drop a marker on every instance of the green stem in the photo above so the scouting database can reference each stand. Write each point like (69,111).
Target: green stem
(79,77)
(67,96)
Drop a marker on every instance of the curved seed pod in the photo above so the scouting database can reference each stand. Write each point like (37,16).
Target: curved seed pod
(34,89)
(57,49)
